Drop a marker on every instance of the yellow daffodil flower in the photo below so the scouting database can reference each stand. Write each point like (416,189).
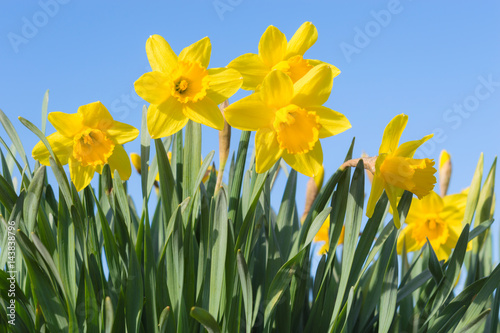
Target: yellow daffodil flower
(289,119)
(323,235)
(136,162)
(181,87)
(438,219)
(276,53)
(87,140)
(396,170)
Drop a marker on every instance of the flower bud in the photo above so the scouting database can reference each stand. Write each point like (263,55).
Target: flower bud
(444,172)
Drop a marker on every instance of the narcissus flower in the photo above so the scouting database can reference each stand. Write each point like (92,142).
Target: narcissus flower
(87,140)
(437,219)
(396,170)
(276,53)
(289,119)
(181,87)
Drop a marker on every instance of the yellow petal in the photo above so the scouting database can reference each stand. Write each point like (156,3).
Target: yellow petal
(277,89)
(80,175)
(165,119)
(251,67)
(392,134)
(302,40)
(122,133)
(406,236)
(249,113)
(160,54)
(408,149)
(205,112)
(61,146)
(119,161)
(332,122)
(314,88)
(309,163)
(272,46)
(199,51)
(95,115)
(153,87)
(68,124)
(314,62)
(267,150)
(432,203)
(375,193)
(393,200)
(136,161)
(415,213)
(224,83)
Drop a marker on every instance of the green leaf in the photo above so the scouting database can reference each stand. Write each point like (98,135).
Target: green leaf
(205,318)
(237,177)
(388,298)
(145,148)
(134,294)
(246,289)
(11,132)
(33,198)
(218,244)
(192,158)
(164,319)
(45,107)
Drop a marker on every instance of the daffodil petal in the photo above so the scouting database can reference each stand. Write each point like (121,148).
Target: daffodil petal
(61,146)
(309,163)
(272,46)
(334,69)
(136,161)
(249,113)
(224,83)
(120,161)
(332,122)
(432,203)
(408,149)
(393,200)
(95,115)
(305,37)
(199,51)
(160,54)
(205,112)
(314,88)
(80,175)
(415,213)
(165,119)
(277,89)
(153,87)
(392,134)
(375,193)
(122,133)
(267,150)
(252,68)
(68,124)
(406,236)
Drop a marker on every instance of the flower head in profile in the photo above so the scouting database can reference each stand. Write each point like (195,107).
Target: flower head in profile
(289,119)
(87,140)
(396,170)
(437,219)
(275,52)
(181,87)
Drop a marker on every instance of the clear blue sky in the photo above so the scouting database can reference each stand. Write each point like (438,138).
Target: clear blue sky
(438,62)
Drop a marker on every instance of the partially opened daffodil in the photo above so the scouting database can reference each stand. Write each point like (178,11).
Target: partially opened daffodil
(276,53)
(87,140)
(181,87)
(396,170)
(289,119)
(437,219)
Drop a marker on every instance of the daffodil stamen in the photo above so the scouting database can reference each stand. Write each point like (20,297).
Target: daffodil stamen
(297,129)
(92,147)
(189,81)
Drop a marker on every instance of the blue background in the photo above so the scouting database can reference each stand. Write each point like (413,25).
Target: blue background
(426,59)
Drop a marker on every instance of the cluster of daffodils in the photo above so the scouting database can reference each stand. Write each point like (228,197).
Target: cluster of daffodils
(286,110)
